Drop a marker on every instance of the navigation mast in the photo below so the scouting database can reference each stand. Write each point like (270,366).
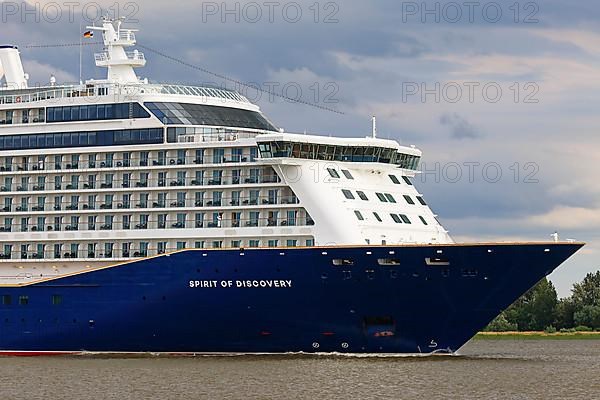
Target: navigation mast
(119,62)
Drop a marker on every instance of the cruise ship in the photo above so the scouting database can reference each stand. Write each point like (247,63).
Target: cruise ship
(147,217)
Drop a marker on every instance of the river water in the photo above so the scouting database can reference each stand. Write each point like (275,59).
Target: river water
(486,369)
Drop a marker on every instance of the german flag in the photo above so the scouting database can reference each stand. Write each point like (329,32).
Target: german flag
(88,34)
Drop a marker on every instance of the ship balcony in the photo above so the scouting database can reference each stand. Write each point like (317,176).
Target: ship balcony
(133,58)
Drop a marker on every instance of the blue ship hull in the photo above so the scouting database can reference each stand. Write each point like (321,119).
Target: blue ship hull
(279,300)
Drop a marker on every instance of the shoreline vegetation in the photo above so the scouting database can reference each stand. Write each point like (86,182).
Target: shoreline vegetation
(534,335)
(541,314)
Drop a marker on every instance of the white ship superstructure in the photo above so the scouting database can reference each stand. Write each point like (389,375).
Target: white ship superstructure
(118,169)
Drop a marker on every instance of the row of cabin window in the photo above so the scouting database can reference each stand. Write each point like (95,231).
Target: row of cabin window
(127,249)
(96,112)
(150,200)
(82,139)
(55,299)
(397,218)
(334,174)
(129,158)
(162,221)
(383,197)
(162,179)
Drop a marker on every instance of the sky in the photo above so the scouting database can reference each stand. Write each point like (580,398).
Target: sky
(501,96)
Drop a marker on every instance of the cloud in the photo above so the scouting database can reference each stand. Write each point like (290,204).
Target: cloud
(580,218)
(582,39)
(40,73)
(460,127)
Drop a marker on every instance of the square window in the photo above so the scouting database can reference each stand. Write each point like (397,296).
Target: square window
(348,194)
(362,195)
(394,179)
(390,198)
(347,174)
(6,300)
(56,299)
(333,173)
(23,300)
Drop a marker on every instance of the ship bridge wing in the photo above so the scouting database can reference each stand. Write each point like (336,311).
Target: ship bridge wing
(369,150)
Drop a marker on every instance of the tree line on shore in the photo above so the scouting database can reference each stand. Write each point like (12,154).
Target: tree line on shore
(540,309)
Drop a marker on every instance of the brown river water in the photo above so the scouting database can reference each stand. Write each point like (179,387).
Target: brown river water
(485,369)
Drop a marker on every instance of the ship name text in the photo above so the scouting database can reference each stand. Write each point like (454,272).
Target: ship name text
(241,284)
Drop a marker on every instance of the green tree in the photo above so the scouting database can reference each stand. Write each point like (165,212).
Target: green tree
(536,309)
(587,292)
(501,324)
(565,313)
(588,316)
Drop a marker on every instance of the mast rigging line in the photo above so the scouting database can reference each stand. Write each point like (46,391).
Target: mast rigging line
(195,67)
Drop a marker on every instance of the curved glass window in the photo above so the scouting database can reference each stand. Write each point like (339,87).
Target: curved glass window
(314,151)
(201,114)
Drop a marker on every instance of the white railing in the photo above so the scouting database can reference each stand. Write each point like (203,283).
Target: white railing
(131,56)
(200,137)
(182,90)
(202,91)
(29,95)
(71,91)
(135,56)
(125,34)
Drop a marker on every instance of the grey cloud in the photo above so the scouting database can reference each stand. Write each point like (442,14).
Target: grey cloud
(460,127)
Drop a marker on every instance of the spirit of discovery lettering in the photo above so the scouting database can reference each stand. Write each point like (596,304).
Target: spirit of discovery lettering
(242,284)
